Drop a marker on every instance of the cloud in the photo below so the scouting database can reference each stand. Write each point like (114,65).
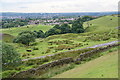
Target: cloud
(23,7)
(59,5)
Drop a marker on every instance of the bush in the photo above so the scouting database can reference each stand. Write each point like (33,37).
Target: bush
(40,34)
(25,37)
(62,29)
(35,48)
(34,44)
(10,58)
(110,50)
(47,51)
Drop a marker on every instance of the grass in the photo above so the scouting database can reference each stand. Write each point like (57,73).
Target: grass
(51,72)
(14,31)
(7,38)
(101,28)
(60,69)
(93,35)
(102,23)
(102,67)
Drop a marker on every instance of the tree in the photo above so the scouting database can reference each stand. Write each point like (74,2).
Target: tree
(77,26)
(25,37)
(65,28)
(50,32)
(40,34)
(87,18)
(10,58)
(57,26)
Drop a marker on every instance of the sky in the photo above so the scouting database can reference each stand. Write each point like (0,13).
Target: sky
(58,6)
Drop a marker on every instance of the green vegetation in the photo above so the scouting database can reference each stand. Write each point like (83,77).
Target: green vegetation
(87,18)
(103,67)
(7,38)
(10,58)
(25,37)
(40,34)
(77,26)
(58,70)
(8,23)
(63,42)
(97,31)
(58,29)
(16,30)
(102,24)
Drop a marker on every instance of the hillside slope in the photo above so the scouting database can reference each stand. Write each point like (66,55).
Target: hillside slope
(102,67)
(14,31)
(104,23)
(74,41)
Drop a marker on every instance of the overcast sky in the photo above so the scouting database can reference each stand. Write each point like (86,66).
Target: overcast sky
(58,6)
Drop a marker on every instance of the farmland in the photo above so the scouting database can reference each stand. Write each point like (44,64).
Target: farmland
(97,31)
(92,36)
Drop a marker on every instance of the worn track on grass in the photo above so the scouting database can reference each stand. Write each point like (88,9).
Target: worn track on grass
(95,46)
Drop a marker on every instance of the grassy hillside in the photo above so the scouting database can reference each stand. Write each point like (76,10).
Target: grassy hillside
(96,33)
(102,67)
(104,23)
(16,30)
(74,41)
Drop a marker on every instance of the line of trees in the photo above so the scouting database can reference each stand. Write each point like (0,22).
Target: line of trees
(77,27)
(26,37)
(8,23)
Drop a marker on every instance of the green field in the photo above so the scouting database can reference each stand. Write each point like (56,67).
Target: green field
(14,31)
(104,23)
(103,67)
(102,30)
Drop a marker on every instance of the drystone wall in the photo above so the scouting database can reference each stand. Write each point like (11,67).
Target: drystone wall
(85,55)
(41,69)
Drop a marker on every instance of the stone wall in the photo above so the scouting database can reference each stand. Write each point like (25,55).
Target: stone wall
(41,69)
(85,55)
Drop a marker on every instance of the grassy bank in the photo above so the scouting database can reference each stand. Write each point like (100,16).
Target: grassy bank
(103,67)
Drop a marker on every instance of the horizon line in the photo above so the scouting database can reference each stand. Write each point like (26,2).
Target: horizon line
(63,12)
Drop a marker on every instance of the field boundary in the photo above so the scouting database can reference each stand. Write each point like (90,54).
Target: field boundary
(40,70)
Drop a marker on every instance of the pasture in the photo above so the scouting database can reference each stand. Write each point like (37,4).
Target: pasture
(103,67)
(102,30)
(14,31)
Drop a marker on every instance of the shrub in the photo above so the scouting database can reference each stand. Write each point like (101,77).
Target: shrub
(110,50)
(35,48)
(10,58)
(47,51)
(25,37)
(34,44)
